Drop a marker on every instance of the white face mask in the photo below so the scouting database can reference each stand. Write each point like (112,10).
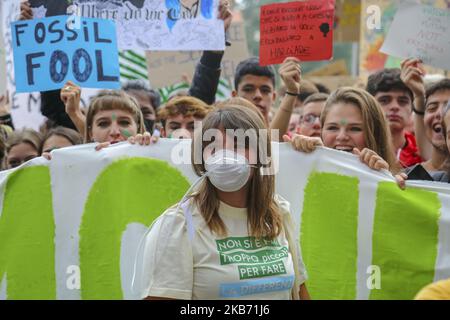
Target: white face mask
(227,170)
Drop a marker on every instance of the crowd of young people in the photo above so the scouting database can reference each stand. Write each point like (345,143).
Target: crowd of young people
(398,123)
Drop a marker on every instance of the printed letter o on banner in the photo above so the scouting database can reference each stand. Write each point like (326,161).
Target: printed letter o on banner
(62,57)
(77,56)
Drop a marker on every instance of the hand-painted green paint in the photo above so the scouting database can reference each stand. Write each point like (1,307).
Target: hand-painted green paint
(405,240)
(329,235)
(134,190)
(27,235)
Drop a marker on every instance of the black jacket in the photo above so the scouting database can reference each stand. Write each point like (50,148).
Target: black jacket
(54,109)
(206,77)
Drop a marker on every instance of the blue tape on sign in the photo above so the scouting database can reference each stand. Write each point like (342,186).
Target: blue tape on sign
(50,51)
(251,287)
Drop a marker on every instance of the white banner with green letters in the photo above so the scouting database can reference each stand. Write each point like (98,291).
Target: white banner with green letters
(70,227)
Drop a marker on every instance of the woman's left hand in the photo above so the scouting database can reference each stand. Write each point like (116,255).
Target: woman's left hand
(401,180)
(371,159)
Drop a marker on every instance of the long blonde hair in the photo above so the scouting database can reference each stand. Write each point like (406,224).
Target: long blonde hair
(263,214)
(375,126)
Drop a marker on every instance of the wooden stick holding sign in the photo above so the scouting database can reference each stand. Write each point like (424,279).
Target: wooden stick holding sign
(48,52)
(297,29)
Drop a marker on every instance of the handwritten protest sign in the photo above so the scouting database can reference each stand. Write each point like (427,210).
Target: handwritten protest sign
(158,24)
(47,53)
(166,68)
(420,31)
(297,29)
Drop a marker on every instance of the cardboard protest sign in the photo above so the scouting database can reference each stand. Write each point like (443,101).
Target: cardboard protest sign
(420,31)
(149,24)
(166,68)
(159,24)
(48,52)
(25,107)
(296,29)
(70,228)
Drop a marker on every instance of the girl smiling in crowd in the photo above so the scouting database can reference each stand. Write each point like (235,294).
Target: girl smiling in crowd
(353,121)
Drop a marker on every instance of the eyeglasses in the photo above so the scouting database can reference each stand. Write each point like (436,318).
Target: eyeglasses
(309,119)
